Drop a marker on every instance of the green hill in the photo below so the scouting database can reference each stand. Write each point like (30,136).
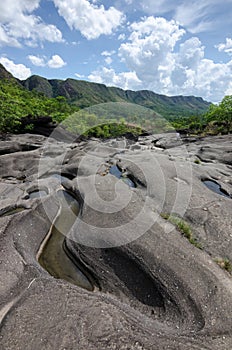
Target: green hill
(85,94)
(16,103)
(38,97)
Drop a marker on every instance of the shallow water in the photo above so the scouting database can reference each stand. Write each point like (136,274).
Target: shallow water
(13,211)
(38,194)
(114,170)
(53,257)
(215,187)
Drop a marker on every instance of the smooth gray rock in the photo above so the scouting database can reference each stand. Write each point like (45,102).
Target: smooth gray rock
(153,289)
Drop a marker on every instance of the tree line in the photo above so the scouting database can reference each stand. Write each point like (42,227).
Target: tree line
(217,120)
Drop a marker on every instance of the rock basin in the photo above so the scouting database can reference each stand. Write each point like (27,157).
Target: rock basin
(52,256)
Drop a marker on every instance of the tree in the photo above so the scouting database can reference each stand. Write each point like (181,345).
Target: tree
(226,111)
(222,113)
(16,103)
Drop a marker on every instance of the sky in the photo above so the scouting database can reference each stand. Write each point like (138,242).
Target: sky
(172,47)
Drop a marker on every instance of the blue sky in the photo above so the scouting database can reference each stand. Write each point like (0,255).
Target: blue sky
(170,47)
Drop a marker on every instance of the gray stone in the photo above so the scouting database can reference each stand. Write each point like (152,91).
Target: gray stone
(153,289)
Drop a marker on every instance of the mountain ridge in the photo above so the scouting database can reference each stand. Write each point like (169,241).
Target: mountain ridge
(83,94)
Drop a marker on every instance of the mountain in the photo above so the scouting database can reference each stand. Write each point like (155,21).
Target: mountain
(84,94)
(4,74)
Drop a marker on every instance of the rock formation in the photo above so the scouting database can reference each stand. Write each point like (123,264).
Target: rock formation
(119,276)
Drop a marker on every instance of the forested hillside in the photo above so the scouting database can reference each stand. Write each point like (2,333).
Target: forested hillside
(16,102)
(84,94)
(138,111)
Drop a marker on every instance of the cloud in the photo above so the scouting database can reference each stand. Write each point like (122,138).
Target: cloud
(191,53)
(91,20)
(158,7)
(37,61)
(158,58)
(108,76)
(108,53)
(194,74)
(108,60)
(229,89)
(18,70)
(55,62)
(225,47)
(19,26)
(122,36)
(6,40)
(79,76)
(149,47)
(197,16)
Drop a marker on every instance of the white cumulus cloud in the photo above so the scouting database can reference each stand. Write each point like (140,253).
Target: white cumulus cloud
(122,36)
(91,20)
(191,53)
(18,70)
(108,60)
(108,76)
(108,53)
(54,62)
(19,25)
(149,49)
(6,40)
(37,61)
(225,47)
(157,58)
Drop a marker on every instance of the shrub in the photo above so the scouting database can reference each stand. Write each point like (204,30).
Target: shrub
(112,129)
(224,264)
(183,227)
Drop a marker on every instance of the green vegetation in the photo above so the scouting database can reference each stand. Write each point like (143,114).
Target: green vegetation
(144,110)
(192,124)
(113,130)
(84,94)
(90,125)
(222,114)
(133,114)
(183,227)
(16,103)
(224,264)
(108,120)
(216,120)
(128,115)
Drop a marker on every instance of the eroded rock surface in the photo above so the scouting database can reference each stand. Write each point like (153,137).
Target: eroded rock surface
(151,288)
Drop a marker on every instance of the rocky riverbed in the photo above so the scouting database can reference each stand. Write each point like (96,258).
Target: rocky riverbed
(88,257)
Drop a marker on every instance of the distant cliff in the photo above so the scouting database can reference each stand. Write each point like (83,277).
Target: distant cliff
(84,94)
